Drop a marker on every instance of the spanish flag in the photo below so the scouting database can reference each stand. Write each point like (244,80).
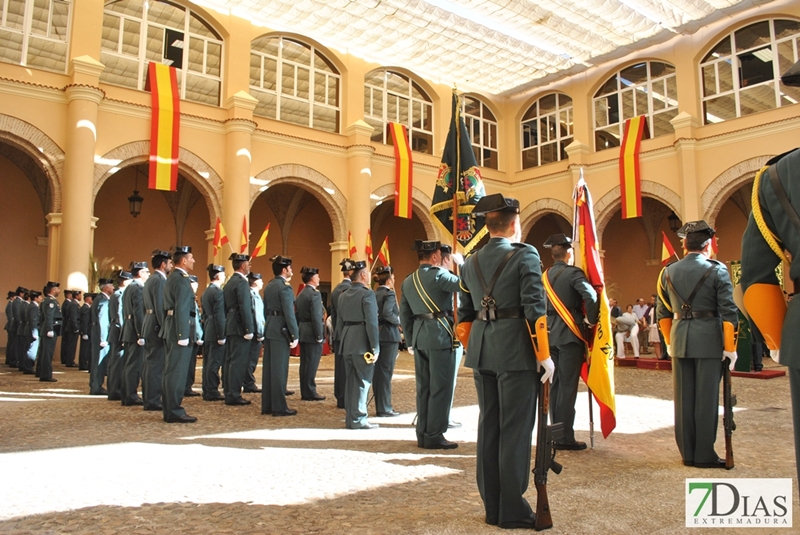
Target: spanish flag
(243,247)
(351,245)
(714,247)
(403,180)
(630,184)
(667,250)
(220,238)
(368,247)
(383,254)
(162,82)
(261,246)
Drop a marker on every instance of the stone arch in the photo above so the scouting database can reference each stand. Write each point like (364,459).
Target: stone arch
(42,150)
(326,192)
(199,173)
(608,203)
(723,186)
(540,208)
(420,205)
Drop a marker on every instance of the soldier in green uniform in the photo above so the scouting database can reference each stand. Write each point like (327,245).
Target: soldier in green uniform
(85,331)
(569,288)
(309,318)
(71,328)
(197,327)
(239,329)
(153,365)
(34,319)
(213,303)
(338,362)
(256,285)
(699,319)
(133,334)
(178,334)
(389,336)
(100,328)
(66,310)
(10,328)
(357,321)
(51,328)
(116,357)
(281,335)
(426,314)
(23,333)
(503,359)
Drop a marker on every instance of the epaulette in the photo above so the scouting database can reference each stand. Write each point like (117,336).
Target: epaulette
(316,290)
(286,283)
(186,275)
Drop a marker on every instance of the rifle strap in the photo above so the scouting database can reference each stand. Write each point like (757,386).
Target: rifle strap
(560,308)
(687,303)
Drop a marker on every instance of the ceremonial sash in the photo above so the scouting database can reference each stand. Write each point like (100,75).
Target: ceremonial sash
(560,308)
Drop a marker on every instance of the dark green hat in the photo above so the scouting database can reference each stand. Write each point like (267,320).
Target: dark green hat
(695,226)
(558,239)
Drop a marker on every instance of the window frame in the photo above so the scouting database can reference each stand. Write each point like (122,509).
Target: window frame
(27,31)
(559,139)
(484,130)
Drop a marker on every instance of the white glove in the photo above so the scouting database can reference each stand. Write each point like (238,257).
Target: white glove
(199,342)
(103,343)
(221,342)
(458,259)
(50,334)
(140,342)
(730,355)
(260,339)
(35,335)
(320,340)
(293,344)
(375,356)
(549,369)
(84,336)
(775,354)
(184,342)
(410,351)
(248,336)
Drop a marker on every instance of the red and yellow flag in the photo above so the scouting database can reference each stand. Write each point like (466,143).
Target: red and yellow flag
(220,238)
(368,248)
(162,82)
(383,254)
(630,185)
(598,371)
(403,181)
(714,247)
(243,247)
(261,246)
(667,250)
(351,245)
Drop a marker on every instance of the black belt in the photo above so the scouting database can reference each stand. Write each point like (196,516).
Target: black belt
(384,322)
(696,315)
(502,314)
(351,323)
(273,313)
(433,315)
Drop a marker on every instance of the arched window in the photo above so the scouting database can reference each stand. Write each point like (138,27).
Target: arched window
(546,130)
(482,128)
(136,32)
(648,89)
(34,33)
(740,74)
(307,90)
(392,97)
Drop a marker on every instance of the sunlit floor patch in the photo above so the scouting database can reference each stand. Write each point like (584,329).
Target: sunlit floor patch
(45,394)
(41,482)
(20,399)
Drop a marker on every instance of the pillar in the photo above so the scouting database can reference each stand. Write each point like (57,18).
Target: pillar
(359,183)
(338,253)
(53,244)
(686,146)
(211,259)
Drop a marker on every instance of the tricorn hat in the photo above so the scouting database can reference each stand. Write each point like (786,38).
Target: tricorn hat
(426,246)
(164,254)
(281,260)
(557,239)
(359,264)
(445,249)
(124,275)
(34,294)
(496,203)
(695,226)
(181,249)
(347,264)
(239,257)
(213,269)
(104,282)
(309,270)
(51,284)
(384,269)
(136,267)
(254,276)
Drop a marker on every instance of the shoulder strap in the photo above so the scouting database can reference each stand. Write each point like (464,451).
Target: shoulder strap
(780,192)
(487,288)
(558,305)
(687,303)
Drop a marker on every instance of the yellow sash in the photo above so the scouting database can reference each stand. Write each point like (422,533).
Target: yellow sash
(561,310)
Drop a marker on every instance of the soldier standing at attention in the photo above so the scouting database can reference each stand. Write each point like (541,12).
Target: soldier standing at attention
(34,319)
(280,336)
(213,333)
(50,327)
(338,361)
(309,318)
(66,311)
(567,286)
(426,313)
(116,359)
(178,334)
(18,303)
(240,329)
(133,334)
(358,322)
(389,336)
(73,327)
(100,328)
(23,332)
(153,367)
(256,284)
(85,328)
(699,319)
(9,328)
(197,327)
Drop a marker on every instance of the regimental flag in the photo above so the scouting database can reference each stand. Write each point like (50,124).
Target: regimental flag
(667,250)
(243,247)
(598,371)
(459,184)
(403,174)
(368,248)
(630,183)
(351,245)
(383,254)
(162,82)
(261,246)
(220,238)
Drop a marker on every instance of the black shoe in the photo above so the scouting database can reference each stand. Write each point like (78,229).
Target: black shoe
(214,398)
(388,414)
(101,392)
(719,463)
(134,403)
(27,373)
(574,445)
(153,407)
(443,444)
(237,402)
(525,523)
(289,393)
(287,412)
(366,425)
(114,398)
(70,365)
(191,394)
(51,380)
(185,419)
(314,398)
(688,463)
(256,391)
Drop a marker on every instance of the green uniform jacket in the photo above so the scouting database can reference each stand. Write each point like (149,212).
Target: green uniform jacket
(85,323)
(33,320)
(153,295)
(115,313)
(278,297)
(339,290)
(357,305)
(699,338)
(11,322)
(502,345)
(388,314)
(22,318)
(66,313)
(437,288)
(179,308)
(309,315)
(239,318)
(51,315)
(574,290)
(213,303)
(133,312)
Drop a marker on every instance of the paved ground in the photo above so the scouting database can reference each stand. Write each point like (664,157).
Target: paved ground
(73,463)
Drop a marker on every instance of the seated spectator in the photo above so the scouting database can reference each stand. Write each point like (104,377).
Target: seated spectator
(627,330)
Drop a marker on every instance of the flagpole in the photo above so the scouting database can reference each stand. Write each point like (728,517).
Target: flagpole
(456,182)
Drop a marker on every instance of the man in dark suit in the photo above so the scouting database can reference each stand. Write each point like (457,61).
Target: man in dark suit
(213,303)
(153,295)
(50,317)
(699,319)
(100,346)
(133,334)
(338,362)
(239,329)
(567,286)
(309,318)
(116,357)
(503,359)
(85,330)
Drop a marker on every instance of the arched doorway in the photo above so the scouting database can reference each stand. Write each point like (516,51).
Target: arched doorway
(545,226)
(401,232)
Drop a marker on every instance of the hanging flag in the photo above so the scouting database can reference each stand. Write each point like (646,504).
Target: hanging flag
(403,170)
(383,254)
(162,82)
(630,184)
(368,248)
(598,371)
(667,250)
(261,246)
(243,247)
(714,246)
(220,238)
(459,185)
(351,245)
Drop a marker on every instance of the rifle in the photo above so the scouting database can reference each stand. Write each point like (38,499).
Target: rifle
(546,435)
(728,401)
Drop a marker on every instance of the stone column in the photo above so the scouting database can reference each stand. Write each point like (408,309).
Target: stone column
(211,259)
(53,244)
(359,183)
(686,144)
(338,253)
